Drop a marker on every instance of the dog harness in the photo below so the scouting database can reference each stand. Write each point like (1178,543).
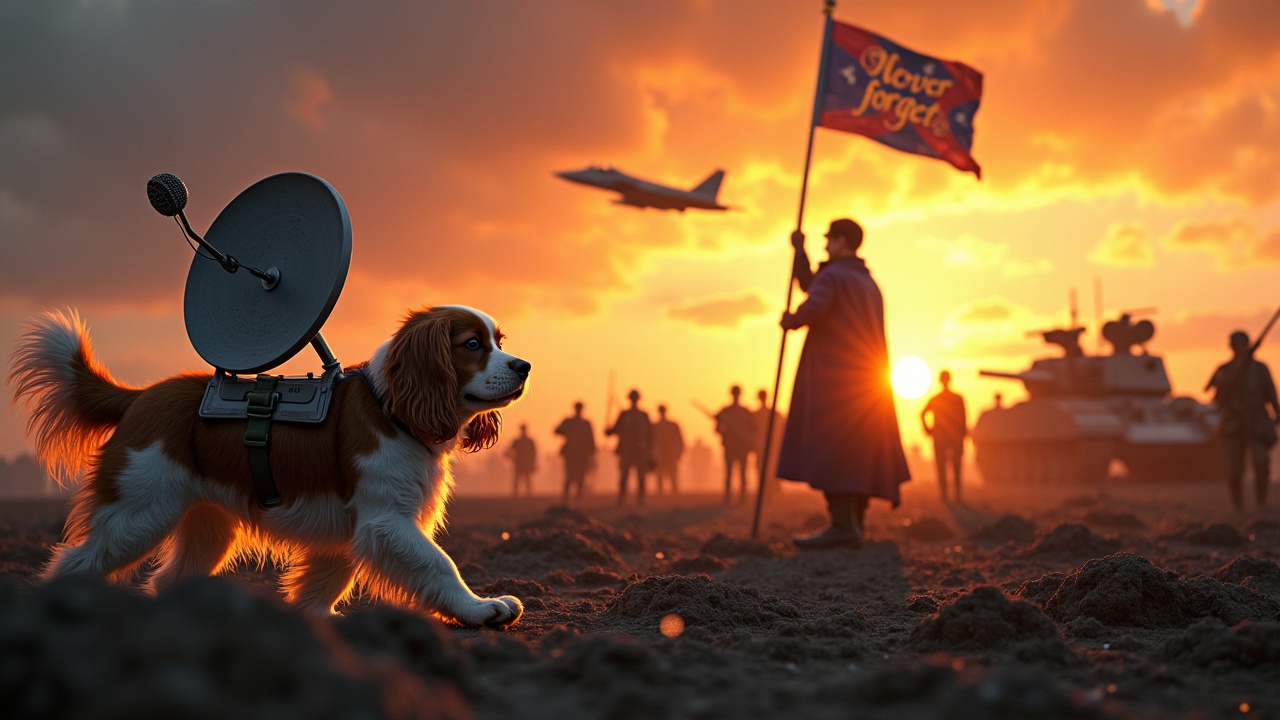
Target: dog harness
(261,401)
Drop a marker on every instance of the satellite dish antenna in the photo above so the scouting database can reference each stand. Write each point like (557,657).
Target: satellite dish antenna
(297,227)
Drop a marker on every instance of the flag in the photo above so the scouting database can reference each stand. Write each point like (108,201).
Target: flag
(872,86)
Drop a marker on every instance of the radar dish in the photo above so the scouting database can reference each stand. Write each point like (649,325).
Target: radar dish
(292,222)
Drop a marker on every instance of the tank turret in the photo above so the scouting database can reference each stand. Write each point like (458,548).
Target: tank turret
(1090,416)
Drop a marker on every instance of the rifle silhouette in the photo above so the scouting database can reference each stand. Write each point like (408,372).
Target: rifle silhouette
(1238,370)
(737,432)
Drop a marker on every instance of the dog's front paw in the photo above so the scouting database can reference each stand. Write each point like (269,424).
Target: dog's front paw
(500,611)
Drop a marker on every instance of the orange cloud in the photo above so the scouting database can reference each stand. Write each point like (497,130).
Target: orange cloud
(1199,330)
(1236,243)
(724,312)
(311,94)
(1125,245)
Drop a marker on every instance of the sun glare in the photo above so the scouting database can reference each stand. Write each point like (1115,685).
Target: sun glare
(911,377)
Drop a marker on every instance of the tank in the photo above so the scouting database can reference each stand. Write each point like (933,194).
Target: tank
(1094,417)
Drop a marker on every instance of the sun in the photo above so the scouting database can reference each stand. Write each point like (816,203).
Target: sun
(911,377)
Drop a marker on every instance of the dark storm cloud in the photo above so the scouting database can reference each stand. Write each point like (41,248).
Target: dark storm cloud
(424,116)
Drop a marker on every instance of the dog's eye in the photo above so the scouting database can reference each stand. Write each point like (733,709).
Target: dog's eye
(473,344)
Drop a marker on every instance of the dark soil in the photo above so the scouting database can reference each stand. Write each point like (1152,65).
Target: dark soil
(1129,605)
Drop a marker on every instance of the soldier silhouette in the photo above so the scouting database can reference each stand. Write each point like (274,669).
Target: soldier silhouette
(761,417)
(700,462)
(1246,395)
(578,451)
(948,430)
(635,447)
(668,446)
(524,457)
(736,428)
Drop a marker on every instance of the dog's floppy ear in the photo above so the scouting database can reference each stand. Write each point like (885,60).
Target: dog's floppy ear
(482,431)
(422,386)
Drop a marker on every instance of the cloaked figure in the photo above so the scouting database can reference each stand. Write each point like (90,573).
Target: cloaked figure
(842,431)
(668,447)
(736,427)
(578,451)
(1246,396)
(523,454)
(948,429)
(635,447)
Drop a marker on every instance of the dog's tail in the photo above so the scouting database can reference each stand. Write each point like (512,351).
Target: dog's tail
(74,402)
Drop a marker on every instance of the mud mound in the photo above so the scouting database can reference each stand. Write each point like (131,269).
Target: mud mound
(1251,572)
(935,688)
(698,564)
(1086,627)
(1127,590)
(1265,529)
(1212,645)
(982,620)
(1108,518)
(1218,534)
(597,576)
(622,679)
(1010,528)
(79,648)
(573,521)
(760,625)
(1070,540)
(420,644)
(928,529)
(700,602)
(534,549)
(726,547)
(1041,589)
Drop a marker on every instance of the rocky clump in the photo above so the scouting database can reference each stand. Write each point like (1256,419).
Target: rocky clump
(984,620)
(1212,645)
(1127,590)
(80,648)
(1070,540)
(1009,528)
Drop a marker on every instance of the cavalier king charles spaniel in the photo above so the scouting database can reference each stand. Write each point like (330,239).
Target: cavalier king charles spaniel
(363,493)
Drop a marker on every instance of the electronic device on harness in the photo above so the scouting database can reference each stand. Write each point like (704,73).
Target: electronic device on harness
(296,226)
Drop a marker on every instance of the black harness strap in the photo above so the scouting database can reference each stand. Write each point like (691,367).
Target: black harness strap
(257,436)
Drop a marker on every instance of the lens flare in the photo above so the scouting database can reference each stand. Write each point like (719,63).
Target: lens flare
(911,377)
(671,625)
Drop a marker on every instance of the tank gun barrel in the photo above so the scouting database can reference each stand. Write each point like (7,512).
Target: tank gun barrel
(1026,376)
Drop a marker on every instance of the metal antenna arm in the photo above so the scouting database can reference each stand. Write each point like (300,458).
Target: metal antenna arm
(269,277)
(228,263)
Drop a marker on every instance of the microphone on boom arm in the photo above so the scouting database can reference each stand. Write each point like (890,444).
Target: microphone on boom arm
(168,195)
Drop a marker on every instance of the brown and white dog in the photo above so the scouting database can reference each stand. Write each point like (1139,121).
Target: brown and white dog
(363,493)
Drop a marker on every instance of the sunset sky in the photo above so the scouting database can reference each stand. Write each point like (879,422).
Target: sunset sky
(1131,143)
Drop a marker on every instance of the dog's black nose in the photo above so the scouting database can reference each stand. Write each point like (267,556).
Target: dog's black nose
(521,367)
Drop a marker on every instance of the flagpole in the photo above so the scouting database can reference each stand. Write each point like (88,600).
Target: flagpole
(828,8)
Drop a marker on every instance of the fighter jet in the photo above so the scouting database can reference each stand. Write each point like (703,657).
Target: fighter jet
(642,194)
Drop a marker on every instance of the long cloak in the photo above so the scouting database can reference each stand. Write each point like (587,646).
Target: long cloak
(842,430)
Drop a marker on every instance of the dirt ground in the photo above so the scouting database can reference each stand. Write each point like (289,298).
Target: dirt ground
(1123,601)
